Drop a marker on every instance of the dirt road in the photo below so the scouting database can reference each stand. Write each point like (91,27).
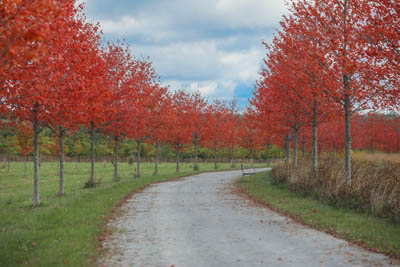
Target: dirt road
(198,221)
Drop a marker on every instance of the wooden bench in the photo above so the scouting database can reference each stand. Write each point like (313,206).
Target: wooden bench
(247,171)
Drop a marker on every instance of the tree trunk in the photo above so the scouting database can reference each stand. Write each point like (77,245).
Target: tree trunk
(62,158)
(347,112)
(347,107)
(296,145)
(116,159)
(177,158)
(92,154)
(215,158)
(196,149)
(25,159)
(315,139)
(156,159)
(9,162)
(267,155)
(251,158)
(57,162)
(287,141)
(303,148)
(138,159)
(36,132)
(232,158)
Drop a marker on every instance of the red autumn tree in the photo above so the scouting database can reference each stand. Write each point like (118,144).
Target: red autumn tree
(217,118)
(148,92)
(181,124)
(97,99)
(157,123)
(69,56)
(25,27)
(31,87)
(250,136)
(24,138)
(198,106)
(232,131)
(120,77)
(340,26)
(293,73)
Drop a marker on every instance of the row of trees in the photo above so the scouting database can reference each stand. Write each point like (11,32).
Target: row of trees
(370,132)
(330,61)
(55,73)
(15,146)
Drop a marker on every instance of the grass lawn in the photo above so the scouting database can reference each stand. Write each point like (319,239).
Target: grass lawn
(358,228)
(64,230)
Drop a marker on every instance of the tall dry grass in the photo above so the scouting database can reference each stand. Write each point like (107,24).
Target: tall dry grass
(375,184)
(377,156)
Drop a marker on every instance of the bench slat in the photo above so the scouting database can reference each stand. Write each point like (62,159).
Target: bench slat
(247,171)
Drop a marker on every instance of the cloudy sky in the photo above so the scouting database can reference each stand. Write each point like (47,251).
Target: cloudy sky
(209,45)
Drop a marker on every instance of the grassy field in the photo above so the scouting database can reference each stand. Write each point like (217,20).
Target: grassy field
(359,228)
(64,230)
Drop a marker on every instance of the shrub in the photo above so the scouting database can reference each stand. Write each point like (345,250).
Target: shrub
(375,185)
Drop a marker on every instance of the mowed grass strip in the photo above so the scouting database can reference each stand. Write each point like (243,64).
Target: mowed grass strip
(64,230)
(376,234)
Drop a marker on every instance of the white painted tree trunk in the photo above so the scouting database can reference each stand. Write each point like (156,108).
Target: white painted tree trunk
(116,151)
(92,154)
(315,139)
(36,132)
(62,159)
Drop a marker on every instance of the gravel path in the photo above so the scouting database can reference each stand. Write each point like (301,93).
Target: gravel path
(198,221)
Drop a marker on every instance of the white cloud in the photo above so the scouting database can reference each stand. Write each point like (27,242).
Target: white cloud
(250,13)
(209,45)
(192,59)
(209,89)
(205,66)
(149,29)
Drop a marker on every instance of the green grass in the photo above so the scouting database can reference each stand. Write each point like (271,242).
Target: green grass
(64,230)
(377,234)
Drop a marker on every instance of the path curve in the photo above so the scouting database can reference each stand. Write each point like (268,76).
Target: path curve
(198,221)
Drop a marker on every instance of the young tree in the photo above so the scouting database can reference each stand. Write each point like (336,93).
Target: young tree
(29,89)
(147,88)
(157,122)
(217,117)
(121,76)
(24,138)
(249,133)
(232,129)
(198,107)
(77,150)
(96,100)
(339,28)
(66,112)
(180,123)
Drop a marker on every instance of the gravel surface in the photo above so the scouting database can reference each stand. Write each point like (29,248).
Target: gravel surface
(199,221)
